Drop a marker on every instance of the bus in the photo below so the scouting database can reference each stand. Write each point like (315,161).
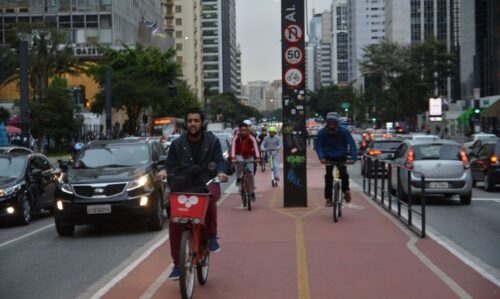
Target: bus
(165,126)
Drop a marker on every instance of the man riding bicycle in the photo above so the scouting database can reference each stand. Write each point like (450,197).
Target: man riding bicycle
(193,159)
(272,144)
(244,148)
(334,141)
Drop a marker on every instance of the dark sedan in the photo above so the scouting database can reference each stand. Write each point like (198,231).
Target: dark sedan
(27,184)
(485,166)
(380,148)
(112,181)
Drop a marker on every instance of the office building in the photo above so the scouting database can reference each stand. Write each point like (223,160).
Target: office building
(273,95)
(256,94)
(218,23)
(366,26)
(419,20)
(183,23)
(340,45)
(325,50)
(312,46)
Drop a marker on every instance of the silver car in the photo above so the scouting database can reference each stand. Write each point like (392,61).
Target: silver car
(444,164)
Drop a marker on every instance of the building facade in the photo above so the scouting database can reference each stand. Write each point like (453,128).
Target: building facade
(312,50)
(218,23)
(340,44)
(257,94)
(366,26)
(183,23)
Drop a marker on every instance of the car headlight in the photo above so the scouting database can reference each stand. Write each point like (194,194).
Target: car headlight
(65,187)
(9,190)
(140,182)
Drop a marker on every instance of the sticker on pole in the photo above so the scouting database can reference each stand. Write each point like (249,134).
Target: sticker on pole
(294,55)
(293,33)
(294,77)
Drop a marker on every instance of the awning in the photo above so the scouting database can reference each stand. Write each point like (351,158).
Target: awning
(492,111)
(464,117)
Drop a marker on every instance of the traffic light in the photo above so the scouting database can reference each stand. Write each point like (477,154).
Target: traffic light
(476,111)
(87,103)
(346,109)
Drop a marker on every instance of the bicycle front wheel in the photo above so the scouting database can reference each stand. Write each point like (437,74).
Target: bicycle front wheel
(186,265)
(202,269)
(336,202)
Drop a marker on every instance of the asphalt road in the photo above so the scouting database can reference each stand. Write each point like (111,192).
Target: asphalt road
(473,230)
(36,263)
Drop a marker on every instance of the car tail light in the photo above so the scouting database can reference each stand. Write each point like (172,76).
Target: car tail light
(494,160)
(463,157)
(374,152)
(410,159)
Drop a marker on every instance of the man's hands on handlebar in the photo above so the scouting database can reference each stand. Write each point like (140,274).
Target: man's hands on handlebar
(222,177)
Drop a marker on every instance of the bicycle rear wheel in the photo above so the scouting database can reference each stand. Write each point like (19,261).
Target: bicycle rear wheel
(186,266)
(336,201)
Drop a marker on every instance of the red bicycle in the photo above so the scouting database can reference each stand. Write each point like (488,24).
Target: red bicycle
(190,210)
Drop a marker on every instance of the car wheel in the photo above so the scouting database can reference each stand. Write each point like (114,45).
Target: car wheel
(466,199)
(25,212)
(156,221)
(64,230)
(488,184)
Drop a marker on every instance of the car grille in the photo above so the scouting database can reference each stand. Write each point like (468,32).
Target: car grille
(91,191)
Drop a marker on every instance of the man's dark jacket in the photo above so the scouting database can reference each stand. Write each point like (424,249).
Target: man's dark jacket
(182,172)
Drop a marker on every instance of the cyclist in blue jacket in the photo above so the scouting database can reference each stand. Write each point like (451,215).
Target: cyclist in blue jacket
(334,144)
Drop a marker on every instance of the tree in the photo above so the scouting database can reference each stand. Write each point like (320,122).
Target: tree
(330,98)
(58,123)
(409,75)
(141,78)
(178,105)
(231,108)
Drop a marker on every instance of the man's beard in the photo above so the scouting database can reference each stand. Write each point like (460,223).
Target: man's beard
(195,134)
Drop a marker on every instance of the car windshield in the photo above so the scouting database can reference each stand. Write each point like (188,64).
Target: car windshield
(437,152)
(114,155)
(12,167)
(386,145)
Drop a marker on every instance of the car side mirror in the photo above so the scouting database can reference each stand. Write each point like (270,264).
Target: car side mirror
(63,165)
(161,161)
(36,173)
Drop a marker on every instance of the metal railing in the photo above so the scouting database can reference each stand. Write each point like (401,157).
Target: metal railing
(378,185)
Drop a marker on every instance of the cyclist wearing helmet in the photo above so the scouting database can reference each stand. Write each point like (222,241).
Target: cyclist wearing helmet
(272,144)
(77,148)
(334,144)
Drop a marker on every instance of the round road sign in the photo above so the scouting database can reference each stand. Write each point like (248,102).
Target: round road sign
(293,33)
(294,77)
(293,55)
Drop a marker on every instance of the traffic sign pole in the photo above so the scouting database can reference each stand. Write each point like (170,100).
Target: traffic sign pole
(294,94)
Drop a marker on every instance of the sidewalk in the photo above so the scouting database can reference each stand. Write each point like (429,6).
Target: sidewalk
(272,252)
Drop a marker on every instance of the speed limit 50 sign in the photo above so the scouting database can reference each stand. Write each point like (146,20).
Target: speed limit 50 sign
(293,55)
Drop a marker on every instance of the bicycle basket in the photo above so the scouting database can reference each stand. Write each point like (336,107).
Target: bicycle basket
(188,207)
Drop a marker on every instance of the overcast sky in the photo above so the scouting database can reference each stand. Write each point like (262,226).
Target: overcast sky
(258,33)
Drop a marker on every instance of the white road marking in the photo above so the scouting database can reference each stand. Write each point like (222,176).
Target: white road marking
(486,199)
(26,235)
(465,256)
(162,278)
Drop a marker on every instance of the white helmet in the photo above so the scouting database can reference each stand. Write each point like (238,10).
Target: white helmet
(247,122)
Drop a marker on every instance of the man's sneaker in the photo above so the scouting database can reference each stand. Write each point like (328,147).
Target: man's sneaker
(347,196)
(213,245)
(238,181)
(175,274)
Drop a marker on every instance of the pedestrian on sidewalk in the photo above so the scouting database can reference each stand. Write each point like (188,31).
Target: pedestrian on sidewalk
(193,159)
(334,144)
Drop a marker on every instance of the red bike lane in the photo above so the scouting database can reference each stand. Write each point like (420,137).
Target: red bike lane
(273,252)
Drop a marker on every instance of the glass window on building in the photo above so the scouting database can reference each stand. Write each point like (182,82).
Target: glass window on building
(179,59)
(64,21)
(64,5)
(79,36)
(51,21)
(93,5)
(79,5)
(178,47)
(178,9)
(91,21)
(178,21)
(105,36)
(105,21)
(105,5)
(92,36)
(178,34)
(78,21)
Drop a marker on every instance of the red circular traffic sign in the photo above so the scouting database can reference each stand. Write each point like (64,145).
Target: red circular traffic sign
(293,33)
(293,55)
(294,77)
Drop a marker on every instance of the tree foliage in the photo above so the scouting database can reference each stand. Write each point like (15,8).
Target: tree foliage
(330,98)
(231,108)
(141,78)
(53,116)
(408,74)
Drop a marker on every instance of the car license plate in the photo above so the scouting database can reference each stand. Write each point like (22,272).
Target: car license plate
(438,185)
(99,209)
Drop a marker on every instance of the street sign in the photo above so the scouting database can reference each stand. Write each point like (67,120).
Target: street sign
(293,33)
(294,77)
(294,111)
(294,55)
(435,106)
